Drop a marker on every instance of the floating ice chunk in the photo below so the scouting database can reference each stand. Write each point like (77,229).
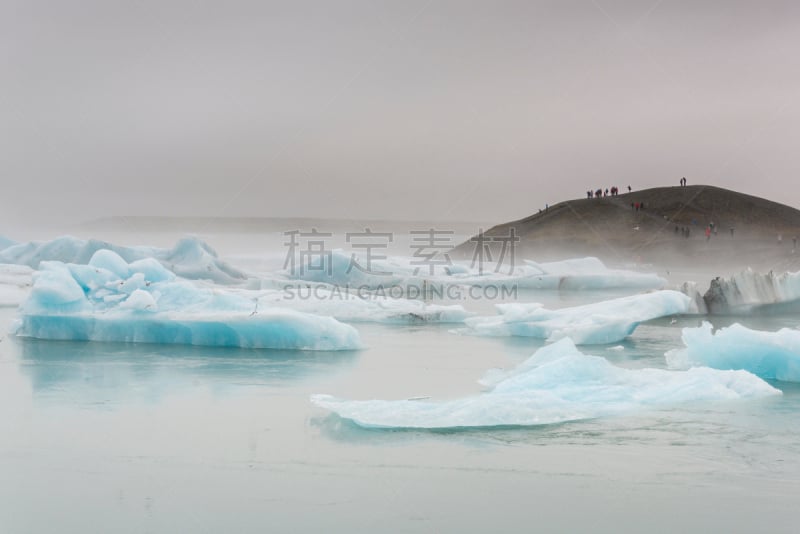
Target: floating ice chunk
(15,282)
(92,302)
(360,306)
(5,242)
(603,322)
(748,292)
(111,262)
(152,270)
(558,383)
(771,355)
(139,300)
(57,292)
(190,257)
(340,268)
(698,306)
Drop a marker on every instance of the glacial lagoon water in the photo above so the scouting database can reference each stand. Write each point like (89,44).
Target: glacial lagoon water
(105,437)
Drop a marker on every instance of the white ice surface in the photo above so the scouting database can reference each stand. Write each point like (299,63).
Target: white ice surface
(359,306)
(609,321)
(190,257)
(341,268)
(15,282)
(748,292)
(558,383)
(110,299)
(771,355)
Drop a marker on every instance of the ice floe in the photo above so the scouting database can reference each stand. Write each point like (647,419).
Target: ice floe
(771,355)
(190,257)
(110,299)
(360,306)
(609,321)
(748,292)
(340,268)
(15,282)
(557,384)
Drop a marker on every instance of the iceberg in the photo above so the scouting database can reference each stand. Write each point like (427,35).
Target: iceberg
(557,384)
(5,242)
(340,268)
(361,306)
(109,299)
(770,355)
(579,274)
(748,292)
(190,258)
(609,321)
(15,281)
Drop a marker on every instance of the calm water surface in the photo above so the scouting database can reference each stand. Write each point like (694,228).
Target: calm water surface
(123,438)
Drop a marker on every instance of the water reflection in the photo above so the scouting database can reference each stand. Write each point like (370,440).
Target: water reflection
(118,370)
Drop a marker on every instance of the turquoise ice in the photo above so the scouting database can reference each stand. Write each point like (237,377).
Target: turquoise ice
(557,384)
(771,355)
(109,299)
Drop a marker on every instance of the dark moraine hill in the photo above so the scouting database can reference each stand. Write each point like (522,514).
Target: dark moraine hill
(612,229)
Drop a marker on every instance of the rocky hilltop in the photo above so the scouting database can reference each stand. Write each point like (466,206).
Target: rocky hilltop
(664,224)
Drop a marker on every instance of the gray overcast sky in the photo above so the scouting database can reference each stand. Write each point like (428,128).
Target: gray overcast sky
(409,109)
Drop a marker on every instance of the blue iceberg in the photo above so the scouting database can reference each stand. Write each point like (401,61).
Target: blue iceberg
(109,299)
(557,384)
(603,322)
(6,242)
(190,257)
(771,355)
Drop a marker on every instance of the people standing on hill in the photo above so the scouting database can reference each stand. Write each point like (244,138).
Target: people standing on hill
(629,189)
(683,182)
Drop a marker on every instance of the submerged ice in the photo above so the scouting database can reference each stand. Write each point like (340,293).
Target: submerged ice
(771,355)
(603,322)
(558,383)
(110,299)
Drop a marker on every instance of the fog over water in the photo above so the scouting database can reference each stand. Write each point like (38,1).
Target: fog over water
(408,110)
(237,123)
